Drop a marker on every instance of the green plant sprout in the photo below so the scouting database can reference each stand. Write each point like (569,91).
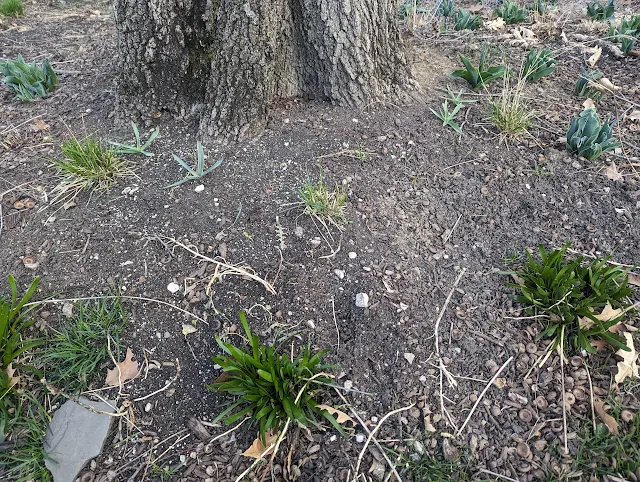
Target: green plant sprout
(448,117)
(197,171)
(139,148)
(28,81)
(478,77)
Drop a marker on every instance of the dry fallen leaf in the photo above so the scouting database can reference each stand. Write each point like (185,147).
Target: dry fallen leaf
(597,52)
(612,172)
(124,370)
(341,418)
(40,125)
(634,116)
(589,104)
(500,382)
(497,24)
(13,380)
(608,313)
(634,279)
(599,345)
(257,449)
(628,367)
(187,329)
(608,420)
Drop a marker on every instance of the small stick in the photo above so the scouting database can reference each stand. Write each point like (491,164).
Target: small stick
(333,307)
(593,412)
(473,409)
(452,230)
(175,377)
(564,404)
(485,471)
(373,432)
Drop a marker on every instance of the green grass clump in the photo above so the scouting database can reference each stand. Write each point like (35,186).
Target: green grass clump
(270,386)
(323,203)
(75,351)
(478,77)
(510,112)
(29,81)
(11,8)
(88,164)
(564,291)
(601,453)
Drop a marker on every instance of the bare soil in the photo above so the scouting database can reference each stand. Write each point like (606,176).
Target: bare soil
(423,206)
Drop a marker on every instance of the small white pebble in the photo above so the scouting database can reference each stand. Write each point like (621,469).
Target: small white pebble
(353,255)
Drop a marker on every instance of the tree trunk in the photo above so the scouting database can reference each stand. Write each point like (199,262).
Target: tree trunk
(227,60)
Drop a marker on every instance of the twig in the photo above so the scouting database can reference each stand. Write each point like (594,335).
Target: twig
(56,391)
(593,411)
(564,404)
(475,405)
(441,366)
(373,432)
(452,230)
(382,451)
(335,321)
(500,476)
(175,377)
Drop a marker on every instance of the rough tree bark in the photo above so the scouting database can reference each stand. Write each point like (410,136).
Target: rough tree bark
(227,60)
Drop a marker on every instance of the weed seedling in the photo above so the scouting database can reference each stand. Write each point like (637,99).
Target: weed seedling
(569,294)
(13,342)
(322,203)
(139,148)
(446,8)
(11,8)
(29,81)
(600,11)
(538,64)
(511,12)
(464,20)
(589,137)
(478,77)
(448,117)
(197,171)
(272,387)
(87,165)
(587,85)
(626,34)
(75,352)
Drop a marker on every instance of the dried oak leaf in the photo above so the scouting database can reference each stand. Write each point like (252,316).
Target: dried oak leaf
(124,370)
(634,279)
(608,313)
(612,172)
(597,52)
(257,449)
(13,379)
(341,418)
(608,420)
(628,367)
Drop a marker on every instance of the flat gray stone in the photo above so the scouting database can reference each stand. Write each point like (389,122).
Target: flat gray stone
(75,436)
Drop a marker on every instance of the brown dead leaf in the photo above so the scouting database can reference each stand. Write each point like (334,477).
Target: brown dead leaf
(608,314)
(257,449)
(13,379)
(612,172)
(497,24)
(628,367)
(341,418)
(620,328)
(500,382)
(589,104)
(608,420)
(634,279)
(40,125)
(597,52)
(634,116)
(599,345)
(124,370)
